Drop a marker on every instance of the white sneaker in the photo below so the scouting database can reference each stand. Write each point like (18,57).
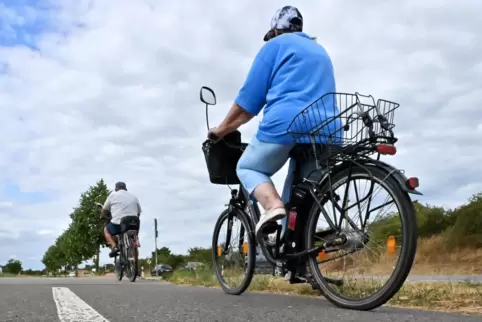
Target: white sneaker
(267,217)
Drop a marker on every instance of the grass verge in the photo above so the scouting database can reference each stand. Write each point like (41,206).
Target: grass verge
(447,297)
(7,275)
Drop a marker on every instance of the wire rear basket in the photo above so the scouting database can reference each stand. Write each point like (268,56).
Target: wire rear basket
(343,120)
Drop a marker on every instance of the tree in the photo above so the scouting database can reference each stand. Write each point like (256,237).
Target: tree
(72,246)
(84,237)
(87,226)
(54,259)
(13,266)
(200,254)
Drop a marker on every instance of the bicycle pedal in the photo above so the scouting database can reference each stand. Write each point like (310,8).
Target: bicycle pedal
(269,228)
(297,280)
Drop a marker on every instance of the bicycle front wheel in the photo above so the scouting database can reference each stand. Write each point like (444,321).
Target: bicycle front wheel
(379,244)
(233,252)
(119,273)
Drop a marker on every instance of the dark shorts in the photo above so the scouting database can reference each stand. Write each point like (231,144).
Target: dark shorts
(113,229)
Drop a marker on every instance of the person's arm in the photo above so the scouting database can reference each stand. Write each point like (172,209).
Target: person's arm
(139,209)
(252,95)
(236,117)
(106,209)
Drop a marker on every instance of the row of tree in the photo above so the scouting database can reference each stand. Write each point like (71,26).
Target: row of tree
(83,239)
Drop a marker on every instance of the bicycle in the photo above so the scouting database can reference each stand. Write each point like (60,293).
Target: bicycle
(341,155)
(127,241)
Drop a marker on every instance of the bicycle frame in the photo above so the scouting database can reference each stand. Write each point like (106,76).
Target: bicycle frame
(240,200)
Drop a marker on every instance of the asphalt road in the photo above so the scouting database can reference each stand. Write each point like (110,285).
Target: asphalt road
(104,299)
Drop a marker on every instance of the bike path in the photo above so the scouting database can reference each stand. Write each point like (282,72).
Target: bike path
(104,299)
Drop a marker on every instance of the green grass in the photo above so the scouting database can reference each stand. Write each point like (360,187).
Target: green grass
(7,275)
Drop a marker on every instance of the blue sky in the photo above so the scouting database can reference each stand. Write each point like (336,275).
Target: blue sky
(118,99)
(22,21)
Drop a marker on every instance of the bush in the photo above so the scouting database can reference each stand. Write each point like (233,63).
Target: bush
(432,220)
(467,229)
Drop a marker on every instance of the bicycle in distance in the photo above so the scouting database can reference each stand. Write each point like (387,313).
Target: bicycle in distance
(337,237)
(127,241)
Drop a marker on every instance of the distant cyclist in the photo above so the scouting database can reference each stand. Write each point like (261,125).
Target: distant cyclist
(118,205)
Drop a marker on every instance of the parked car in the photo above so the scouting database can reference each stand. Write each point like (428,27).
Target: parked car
(192,266)
(161,269)
(72,274)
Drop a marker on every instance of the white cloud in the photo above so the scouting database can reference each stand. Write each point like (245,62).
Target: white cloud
(112,92)
(45,232)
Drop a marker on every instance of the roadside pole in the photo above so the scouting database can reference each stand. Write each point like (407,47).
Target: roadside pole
(155,244)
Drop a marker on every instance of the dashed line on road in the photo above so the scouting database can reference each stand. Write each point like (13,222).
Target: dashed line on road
(71,308)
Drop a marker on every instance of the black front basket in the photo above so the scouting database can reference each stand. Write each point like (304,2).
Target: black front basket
(222,158)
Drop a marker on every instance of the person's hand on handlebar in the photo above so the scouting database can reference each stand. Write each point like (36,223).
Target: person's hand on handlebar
(215,134)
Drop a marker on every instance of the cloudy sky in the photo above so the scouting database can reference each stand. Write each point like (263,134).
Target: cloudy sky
(110,89)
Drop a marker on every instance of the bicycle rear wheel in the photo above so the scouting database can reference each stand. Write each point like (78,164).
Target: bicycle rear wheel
(131,262)
(235,253)
(360,253)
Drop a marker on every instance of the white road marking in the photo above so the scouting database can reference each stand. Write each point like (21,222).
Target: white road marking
(71,308)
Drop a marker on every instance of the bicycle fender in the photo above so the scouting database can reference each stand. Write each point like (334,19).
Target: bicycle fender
(397,174)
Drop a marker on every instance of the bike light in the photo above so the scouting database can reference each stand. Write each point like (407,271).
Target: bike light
(391,245)
(386,149)
(220,251)
(412,183)
(292,220)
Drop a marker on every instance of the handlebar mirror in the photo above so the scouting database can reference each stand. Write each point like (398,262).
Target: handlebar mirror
(207,96)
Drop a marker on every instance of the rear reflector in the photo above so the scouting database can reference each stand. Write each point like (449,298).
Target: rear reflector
(292,220)
(386,149)
(321,255)
(412,183)
(391,245)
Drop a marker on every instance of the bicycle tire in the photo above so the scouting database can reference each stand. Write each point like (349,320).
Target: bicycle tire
(407,254)
(243,218)
(119,272)
(132,271)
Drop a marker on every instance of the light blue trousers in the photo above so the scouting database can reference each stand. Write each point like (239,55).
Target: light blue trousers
(261,160)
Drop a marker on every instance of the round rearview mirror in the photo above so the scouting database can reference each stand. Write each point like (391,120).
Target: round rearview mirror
(207,96)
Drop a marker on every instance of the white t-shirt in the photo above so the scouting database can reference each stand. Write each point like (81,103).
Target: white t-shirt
(121,204)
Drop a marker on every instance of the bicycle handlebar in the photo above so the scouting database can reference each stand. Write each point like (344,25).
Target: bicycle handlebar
(213,137)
